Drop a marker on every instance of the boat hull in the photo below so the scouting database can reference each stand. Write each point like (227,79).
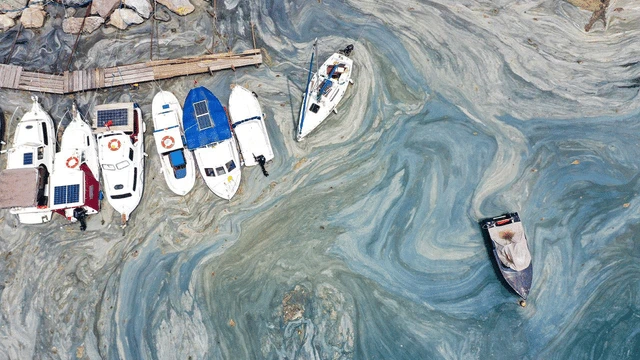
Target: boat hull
(519,281)
(219,167)
(167,122)
(248,124)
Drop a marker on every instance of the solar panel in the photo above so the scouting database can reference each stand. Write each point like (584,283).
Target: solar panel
(202,115)
(59,195)
(27,159)
(66,194)
(118,117)
(73,193)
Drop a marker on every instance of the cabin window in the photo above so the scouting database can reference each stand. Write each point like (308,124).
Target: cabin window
(119,187)
(122,164)
(131,154)
(29,127)
(41,153)
(135,178)
(27,158)
(209,172)
(230,165)
(66,194)
(45,135)
(108,167)
(88,144)
(121,196)
(219,171)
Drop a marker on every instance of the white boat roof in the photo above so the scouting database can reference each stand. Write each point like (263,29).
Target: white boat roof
(166,119)
(118,116)
(19,188)
(173,132)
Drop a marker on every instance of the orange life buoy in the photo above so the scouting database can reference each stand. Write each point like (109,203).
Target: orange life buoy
(502,222)
(72,162)
(114,145)
(168,142)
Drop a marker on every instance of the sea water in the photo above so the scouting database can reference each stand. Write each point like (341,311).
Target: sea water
(364,241)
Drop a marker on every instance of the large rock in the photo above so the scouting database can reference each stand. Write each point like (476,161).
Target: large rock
(180,7)
(6,5)
(72,25)
(6,22)
(33,17)
(104,8)
(122,18)
(142,7)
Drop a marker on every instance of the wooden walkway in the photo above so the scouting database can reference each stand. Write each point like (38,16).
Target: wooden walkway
(15,77)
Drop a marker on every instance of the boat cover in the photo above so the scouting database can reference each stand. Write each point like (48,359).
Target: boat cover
(511,245)
(19,188)
(178,163)
(204,119)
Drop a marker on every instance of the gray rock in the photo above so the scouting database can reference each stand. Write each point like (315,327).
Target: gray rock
(122,18)
(6,22)
(6,5)
(73,25)
(104,8)
(180,7)
(75,3)
(33,17)
(142,7)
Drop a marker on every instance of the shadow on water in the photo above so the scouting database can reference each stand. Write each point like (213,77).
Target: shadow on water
(294,120)
(488,243)
(1,128)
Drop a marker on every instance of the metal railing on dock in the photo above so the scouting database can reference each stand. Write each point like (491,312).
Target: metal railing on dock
(15,77)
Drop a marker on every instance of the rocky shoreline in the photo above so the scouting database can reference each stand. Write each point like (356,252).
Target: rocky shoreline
(86,15)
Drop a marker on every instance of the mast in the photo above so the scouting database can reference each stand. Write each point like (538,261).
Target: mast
(306,92)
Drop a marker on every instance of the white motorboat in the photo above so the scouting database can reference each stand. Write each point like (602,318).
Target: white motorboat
(208,134)
(324,90)
(34,146)
(75,188)
(177,163)
(248,124)
(119,130)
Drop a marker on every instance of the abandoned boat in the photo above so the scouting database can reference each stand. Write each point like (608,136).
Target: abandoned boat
(34,146)
(119,130)
(248,124)
(208,134)
(177,163)
(324,90)
(75,188)
(511,251)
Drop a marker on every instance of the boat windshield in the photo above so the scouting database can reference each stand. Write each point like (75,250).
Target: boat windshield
(122,164)
(108,167)
(230,166)
(219,171)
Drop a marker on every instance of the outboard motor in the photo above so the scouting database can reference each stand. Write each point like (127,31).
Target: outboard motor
(261,161)
(347,51)
(81,214)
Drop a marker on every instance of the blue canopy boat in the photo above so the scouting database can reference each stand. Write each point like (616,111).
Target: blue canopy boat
(208,133)
(511,251)
(204,119)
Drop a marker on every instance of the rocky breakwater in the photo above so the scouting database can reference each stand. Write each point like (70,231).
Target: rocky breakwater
(85,16)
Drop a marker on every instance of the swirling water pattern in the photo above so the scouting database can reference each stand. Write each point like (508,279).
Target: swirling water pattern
(363,242)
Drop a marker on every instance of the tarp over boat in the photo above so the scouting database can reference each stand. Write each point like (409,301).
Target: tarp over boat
(19,188)
(511,245)
(204,119)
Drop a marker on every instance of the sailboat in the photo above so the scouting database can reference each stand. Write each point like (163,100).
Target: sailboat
(119,130)
(248,124)
(177,163)
(208,134)
(75,188)
(324,89)
(32,154)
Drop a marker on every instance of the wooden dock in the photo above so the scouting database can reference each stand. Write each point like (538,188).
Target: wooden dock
(15,77)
